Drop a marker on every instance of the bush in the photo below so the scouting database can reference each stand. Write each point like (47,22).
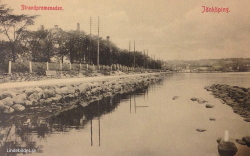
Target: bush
(19,67)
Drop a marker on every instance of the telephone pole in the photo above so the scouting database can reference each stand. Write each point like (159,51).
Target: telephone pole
(147,58)
(134,54)
(90,37)
(98,44)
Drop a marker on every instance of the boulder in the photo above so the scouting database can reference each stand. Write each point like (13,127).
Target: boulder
(201,101)
(5,95)
(175,97)
(35,96)
(247,140)
(56,98)
(48,101)
(247,119)
(2,107)
(209,106)
(241,142)
(194,99)
(212,119)
(83,87)
(47,93)
(63,90)
(8,110)
(219,140)
(18,107)
(227,148)
(28,103)
(20,98)
(8,101)
(29,91)
(200,130)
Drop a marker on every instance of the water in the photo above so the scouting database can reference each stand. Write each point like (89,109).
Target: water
(147,122)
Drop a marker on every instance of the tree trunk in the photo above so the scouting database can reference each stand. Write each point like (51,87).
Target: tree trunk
(13,51)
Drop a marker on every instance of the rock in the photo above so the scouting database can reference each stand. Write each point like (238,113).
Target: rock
(219,140)
(83,87)
(194,99)
(200,130)
(5,95)
(8,110)
(47,93)
(34,97)
(241,142)
(18,107)
(29,91)
(212,119)
(247,119)
(247,140)
(227,148)
(175,97)
(208,88)
(63,90)
(27,103)
(8,101)
(56,98)
(2,105)
(201,101)
(20,98)
(48,101)
(209,106)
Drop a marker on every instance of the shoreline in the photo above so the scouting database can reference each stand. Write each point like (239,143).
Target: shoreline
(10,85)
(33,107)
(19,97)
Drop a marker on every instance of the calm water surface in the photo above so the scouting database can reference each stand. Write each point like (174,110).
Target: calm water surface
(148,122)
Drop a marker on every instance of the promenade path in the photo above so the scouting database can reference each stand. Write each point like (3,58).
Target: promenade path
(48,82)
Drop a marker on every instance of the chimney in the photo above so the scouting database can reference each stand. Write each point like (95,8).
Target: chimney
(78,26)
(56,27)
(42,27)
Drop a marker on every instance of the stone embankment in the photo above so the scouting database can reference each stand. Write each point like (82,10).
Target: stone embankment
(57,96)
(236,97)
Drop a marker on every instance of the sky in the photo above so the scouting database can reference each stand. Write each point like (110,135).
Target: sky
(168,29)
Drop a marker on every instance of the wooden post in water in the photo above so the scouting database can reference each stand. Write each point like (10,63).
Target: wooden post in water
(226,137)
(87,66)
(9,72)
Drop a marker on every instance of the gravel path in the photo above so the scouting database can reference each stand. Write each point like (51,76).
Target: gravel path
(64,81)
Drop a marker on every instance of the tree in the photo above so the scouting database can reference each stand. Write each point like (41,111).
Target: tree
(13,26)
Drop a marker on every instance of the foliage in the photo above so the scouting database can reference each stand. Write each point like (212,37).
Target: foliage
(58,45)
(13,26)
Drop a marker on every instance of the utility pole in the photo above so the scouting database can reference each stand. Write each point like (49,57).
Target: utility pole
(98,44)
(129,46)
(154,61)
(109,49)
(91,54)
(134,54)
(144,58)
(147,58)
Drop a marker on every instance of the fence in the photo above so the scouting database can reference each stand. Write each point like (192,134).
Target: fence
(42,67)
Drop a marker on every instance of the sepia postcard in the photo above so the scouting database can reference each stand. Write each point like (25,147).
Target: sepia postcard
(124,78)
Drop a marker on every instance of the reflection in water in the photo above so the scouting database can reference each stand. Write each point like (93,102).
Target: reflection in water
(24,131)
